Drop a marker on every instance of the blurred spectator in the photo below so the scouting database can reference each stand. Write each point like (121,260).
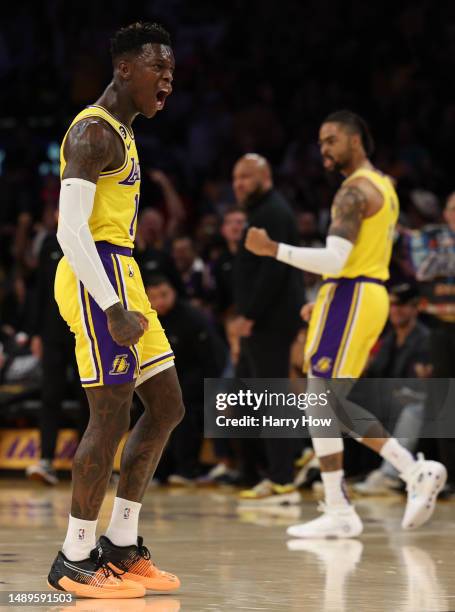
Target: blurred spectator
(194,273)
(174,208)
(149,249)
(307,227)
(199,353)
(309,236)
(404,353)
(156,229)
(432,252)
(53,344)
(232,229)
(206,236)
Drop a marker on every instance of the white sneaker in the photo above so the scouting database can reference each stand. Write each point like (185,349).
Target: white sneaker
(336,522)
(376,483)
(424,480)
(42,471)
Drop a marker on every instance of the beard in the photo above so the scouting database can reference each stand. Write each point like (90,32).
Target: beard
(254,197)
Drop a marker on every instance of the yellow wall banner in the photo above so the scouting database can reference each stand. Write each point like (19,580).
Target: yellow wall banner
(20,448)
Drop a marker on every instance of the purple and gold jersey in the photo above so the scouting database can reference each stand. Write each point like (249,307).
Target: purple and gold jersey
(116,204)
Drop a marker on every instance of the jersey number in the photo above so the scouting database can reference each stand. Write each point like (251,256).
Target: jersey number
(136,208)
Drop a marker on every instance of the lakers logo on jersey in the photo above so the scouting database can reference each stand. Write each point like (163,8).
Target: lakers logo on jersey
(323,365)
(120,365)
(134,175)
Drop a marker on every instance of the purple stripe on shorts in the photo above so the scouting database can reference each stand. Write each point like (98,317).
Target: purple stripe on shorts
(120,278)
(152,361)
(92,342)
(106,248)
(118,362)
(323,360)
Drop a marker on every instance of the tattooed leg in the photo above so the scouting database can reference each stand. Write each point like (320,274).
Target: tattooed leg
(92,465)
(163,410)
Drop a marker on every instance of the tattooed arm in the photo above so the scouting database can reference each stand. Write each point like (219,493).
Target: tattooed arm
(348,210)
(91,147)
(351,205)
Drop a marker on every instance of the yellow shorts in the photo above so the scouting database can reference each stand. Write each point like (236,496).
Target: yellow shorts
(100,360)
(347,320)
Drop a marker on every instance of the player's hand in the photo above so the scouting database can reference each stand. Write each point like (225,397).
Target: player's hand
(306,311)
(259,242)
(125,326)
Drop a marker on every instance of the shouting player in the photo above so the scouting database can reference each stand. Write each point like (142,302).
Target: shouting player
(121,347)
(349,314)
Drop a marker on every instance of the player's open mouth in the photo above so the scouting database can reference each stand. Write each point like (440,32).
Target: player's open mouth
(161,98)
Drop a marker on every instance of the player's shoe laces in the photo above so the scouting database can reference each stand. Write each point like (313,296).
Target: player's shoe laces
(269,493)
(336,522)
(424,480)
(137,565)
(91,577)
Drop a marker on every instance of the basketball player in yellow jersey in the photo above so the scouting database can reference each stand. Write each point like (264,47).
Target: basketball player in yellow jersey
(350,312)
(121,347)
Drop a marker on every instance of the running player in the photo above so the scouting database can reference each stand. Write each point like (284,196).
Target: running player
(120,345)
(349,314)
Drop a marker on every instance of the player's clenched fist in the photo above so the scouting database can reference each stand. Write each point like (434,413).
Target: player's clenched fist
(125,326)
(258,242)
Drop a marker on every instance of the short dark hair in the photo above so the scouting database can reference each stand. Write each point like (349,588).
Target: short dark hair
(406,293)
(232,210)
(155,279)
(131,38)
(356,125)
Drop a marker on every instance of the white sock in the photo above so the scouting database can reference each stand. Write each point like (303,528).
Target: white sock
(334,488)
(80,539)
(397,455)
(122,530)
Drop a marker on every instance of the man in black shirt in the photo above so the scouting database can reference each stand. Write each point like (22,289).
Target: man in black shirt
(268,296)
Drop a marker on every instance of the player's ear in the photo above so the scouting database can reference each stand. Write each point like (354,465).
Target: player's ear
(124,69)
(356,140)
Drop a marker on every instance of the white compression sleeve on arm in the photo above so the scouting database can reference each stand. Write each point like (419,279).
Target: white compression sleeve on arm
(329,260)
(74,236)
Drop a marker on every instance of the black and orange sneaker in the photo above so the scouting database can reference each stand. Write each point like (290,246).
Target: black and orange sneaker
(91,577)
(135,563)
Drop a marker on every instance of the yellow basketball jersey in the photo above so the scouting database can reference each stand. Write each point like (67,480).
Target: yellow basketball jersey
(114,216)
(372,250)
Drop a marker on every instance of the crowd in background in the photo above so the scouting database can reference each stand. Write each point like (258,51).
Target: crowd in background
(258,80)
